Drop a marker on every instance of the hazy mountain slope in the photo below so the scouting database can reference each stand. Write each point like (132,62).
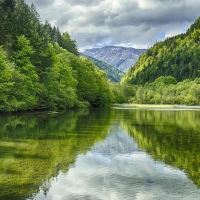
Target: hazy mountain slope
(119,57)
(178,56)
(113,73)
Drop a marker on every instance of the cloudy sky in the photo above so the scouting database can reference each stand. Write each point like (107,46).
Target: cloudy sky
(130,23)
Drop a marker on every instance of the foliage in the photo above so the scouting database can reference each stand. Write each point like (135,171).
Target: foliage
(40,68)
(69,44)
(24,92)
(59,86)
(93,85)
(5,81)
(123,93)
(166,90)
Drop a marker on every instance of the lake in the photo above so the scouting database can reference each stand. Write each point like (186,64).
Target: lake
(101,154)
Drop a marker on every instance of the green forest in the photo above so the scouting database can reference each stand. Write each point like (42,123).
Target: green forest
(40,68)
(169,71)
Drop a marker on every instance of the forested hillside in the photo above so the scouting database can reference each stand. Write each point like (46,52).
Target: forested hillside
(167,73)
(113,73)
(40,67)
(178,56)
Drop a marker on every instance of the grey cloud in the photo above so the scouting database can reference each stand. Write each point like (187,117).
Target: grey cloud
(95,18)
(83,2)
(96,22)
(43,3)
(133,16)
(63,20)
(90,39)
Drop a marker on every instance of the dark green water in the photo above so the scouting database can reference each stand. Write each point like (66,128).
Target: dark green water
(101,154)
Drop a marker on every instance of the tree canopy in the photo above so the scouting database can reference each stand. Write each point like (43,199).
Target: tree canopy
(40,67)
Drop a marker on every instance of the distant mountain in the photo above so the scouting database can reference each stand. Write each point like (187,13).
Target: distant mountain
(120,57)
(113,73)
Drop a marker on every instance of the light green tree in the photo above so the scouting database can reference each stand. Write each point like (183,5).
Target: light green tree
(26,81)
(5,82)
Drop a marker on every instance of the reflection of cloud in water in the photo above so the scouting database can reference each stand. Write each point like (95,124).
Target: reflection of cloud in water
(117,169)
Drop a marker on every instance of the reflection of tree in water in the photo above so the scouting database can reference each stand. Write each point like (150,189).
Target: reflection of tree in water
(169,136)
(35,147)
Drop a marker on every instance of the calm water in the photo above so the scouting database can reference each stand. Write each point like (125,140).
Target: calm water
(101,155)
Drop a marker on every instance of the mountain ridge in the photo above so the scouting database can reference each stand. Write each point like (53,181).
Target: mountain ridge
(118,56)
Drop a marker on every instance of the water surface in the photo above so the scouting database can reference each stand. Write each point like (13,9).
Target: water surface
(101,154)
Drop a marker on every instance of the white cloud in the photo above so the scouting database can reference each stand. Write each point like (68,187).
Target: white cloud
(150,4)
(107,22)
(59,2)
(174,32)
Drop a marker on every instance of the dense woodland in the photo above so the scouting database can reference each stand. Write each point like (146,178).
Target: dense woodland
(168,72)
(164,90)
(40,68)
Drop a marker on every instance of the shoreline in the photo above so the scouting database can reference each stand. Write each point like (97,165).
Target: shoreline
(134,106)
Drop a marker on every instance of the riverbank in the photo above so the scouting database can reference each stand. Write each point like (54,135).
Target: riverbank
(154,106)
